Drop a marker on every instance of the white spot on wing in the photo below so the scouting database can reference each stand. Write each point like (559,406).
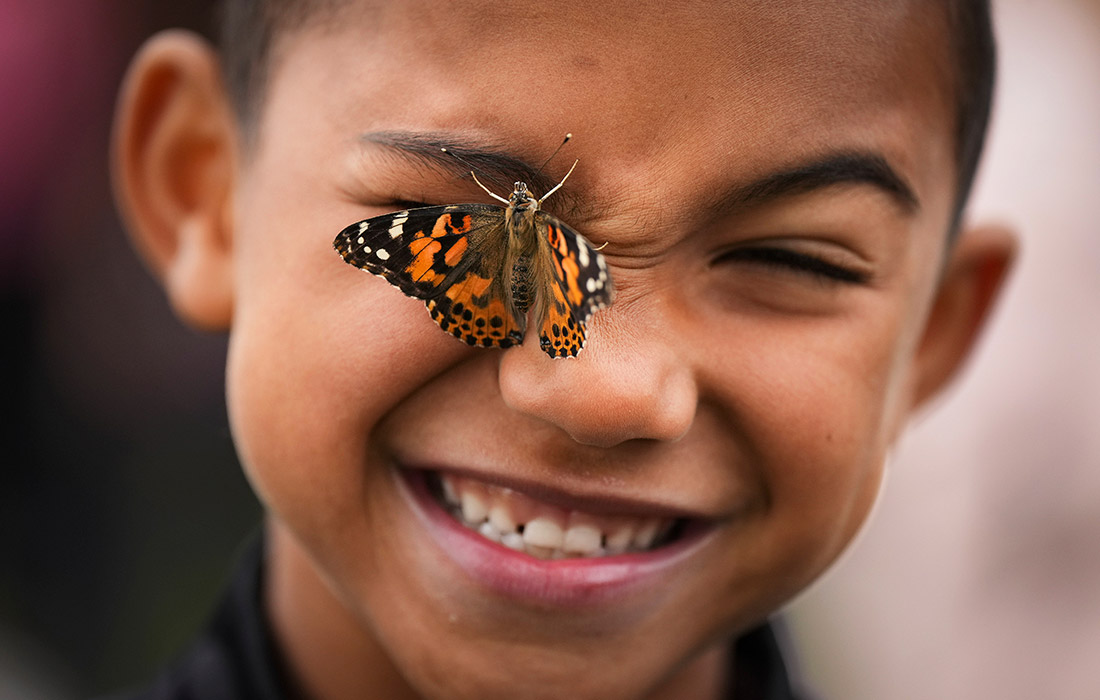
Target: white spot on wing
(382,254)
(582,254)
(360,240)
(363,226)
(591,284)
(398,224)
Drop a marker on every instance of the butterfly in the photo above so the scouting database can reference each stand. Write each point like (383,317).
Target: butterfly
(481,269)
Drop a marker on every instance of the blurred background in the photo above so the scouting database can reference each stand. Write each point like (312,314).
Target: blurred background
(121,503)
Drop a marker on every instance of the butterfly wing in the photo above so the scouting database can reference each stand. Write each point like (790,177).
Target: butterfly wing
(420,251)
(579,285)
(451,257)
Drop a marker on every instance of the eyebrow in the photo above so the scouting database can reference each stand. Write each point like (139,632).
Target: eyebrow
(500,168)
(493,165)
(847,167)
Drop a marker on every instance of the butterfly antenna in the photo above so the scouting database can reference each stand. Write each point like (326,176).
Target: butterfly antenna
(467,163)
(560,145)
(459,158)
(555,188)
(490,192)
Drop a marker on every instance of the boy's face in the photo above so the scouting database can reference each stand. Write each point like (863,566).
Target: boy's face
(772,282)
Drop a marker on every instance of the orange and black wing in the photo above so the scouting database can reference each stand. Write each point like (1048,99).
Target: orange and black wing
(451,257)
(580,285)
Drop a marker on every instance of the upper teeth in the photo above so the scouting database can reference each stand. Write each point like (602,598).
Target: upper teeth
(521,523)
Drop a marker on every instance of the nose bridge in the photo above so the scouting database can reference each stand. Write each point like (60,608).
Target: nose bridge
(631,381)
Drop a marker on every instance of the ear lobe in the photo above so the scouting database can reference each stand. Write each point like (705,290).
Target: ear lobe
(971,283)
(173,164)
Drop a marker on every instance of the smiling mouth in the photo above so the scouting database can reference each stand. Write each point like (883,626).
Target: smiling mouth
(544,531)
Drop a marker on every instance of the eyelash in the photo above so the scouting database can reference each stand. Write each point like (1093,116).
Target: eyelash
(406,204)
(792,261)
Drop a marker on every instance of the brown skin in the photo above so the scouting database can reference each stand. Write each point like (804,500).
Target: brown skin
(762,396)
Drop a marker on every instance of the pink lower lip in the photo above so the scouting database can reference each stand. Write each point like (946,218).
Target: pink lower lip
(561,582)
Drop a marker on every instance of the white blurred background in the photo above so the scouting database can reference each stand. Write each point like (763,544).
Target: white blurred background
(978,575)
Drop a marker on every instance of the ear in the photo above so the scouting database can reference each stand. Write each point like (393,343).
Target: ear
(971,282)
(173,157)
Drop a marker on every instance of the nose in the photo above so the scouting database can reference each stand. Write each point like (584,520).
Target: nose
(632,380)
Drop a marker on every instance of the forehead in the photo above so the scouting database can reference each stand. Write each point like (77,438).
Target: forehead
(644,88)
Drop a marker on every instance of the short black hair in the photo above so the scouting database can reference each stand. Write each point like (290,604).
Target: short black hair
(974,49)
(248,28)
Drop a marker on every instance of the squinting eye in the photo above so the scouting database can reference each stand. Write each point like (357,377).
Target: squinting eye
(787,260)
(406,204)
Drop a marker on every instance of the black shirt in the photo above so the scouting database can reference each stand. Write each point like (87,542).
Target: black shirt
(235,658)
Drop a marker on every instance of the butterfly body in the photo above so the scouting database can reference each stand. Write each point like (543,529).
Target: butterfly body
(484,270)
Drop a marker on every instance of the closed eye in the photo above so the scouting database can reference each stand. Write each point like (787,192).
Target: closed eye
(787,260)
(406,204)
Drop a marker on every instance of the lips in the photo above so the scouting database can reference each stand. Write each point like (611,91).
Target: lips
(555,549)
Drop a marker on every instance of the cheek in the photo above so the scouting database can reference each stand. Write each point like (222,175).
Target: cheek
(831,398)
(318,352)
(812,400)
(825,469)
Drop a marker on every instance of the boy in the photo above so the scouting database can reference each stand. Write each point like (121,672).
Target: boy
(778,186)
